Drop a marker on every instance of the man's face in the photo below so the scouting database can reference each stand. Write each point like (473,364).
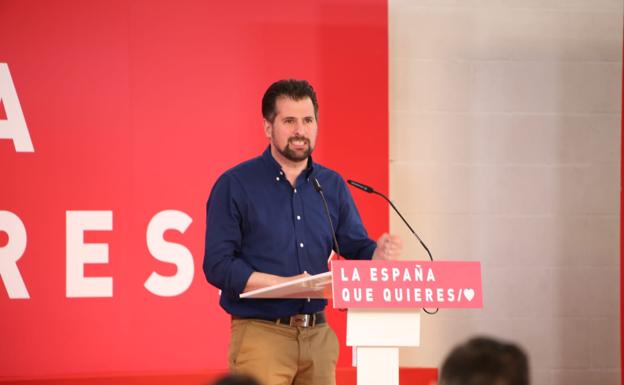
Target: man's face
(293,131)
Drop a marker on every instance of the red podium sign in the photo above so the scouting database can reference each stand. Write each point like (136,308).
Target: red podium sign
(406,284)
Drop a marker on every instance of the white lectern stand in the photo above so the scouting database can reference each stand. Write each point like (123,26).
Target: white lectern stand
(374,334)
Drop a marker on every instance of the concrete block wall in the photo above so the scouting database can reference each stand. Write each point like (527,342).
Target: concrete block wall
(505,148)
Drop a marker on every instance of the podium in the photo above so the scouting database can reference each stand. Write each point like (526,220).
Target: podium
(374,334)
(383,299)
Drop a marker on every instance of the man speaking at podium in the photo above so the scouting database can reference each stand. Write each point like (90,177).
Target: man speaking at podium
(266,224)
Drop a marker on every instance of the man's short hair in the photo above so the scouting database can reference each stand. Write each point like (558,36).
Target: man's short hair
(485,361)
(291,88)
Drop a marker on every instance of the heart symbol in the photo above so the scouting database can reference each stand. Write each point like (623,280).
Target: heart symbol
(469,294)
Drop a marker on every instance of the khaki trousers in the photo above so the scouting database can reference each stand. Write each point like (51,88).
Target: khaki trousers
(283,355)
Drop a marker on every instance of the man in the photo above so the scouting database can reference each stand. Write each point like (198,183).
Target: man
(265,225)
(485,361)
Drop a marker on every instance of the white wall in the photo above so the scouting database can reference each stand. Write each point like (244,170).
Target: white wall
(505,148)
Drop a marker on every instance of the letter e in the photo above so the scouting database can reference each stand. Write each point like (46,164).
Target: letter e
(80,253)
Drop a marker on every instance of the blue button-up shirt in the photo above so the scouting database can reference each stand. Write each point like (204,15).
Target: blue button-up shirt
(257,221)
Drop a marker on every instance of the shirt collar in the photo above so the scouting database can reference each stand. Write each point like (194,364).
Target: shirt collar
(268,158)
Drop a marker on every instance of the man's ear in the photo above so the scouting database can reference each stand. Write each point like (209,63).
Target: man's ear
(267,128)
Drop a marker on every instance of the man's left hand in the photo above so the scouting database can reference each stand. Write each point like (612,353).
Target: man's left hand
(388,247)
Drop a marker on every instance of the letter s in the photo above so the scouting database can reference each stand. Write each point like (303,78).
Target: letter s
(169,286)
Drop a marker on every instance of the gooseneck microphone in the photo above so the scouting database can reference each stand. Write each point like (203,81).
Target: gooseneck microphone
(364,187)
(371,190)
(319,189)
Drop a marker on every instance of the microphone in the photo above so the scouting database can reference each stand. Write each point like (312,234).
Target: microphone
(361,186)
(319,189)
(371,190)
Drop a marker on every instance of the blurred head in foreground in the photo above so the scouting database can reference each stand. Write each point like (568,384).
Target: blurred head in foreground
(236,379)
(485,361)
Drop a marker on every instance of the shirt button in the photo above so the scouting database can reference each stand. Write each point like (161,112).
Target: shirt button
(301,244)
(281,172)
(298,217)
(277,178)
(295,191)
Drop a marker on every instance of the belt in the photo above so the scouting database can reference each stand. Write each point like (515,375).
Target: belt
(297,320)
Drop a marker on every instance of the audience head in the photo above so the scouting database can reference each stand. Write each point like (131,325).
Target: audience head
(485,361)
(236,379)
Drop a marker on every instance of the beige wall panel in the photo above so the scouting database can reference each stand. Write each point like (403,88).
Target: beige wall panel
(505,132)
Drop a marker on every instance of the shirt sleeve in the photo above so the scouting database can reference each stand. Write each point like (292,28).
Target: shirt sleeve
(223,266)
(351,234)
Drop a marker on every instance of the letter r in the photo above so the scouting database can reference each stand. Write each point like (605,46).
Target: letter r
(11,253)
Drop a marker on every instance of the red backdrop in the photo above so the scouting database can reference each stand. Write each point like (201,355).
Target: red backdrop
(136,107)
(622,231)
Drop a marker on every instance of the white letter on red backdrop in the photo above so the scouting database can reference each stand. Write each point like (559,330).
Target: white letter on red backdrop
(80,253)
(14,127)
(169,252)
(11,253)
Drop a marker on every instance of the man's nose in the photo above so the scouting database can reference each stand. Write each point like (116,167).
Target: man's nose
(299,129)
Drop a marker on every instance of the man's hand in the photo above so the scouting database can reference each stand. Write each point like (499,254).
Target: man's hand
(388,247)
(259,280)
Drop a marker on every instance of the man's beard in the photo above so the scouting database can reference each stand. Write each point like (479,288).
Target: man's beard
(293,155)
